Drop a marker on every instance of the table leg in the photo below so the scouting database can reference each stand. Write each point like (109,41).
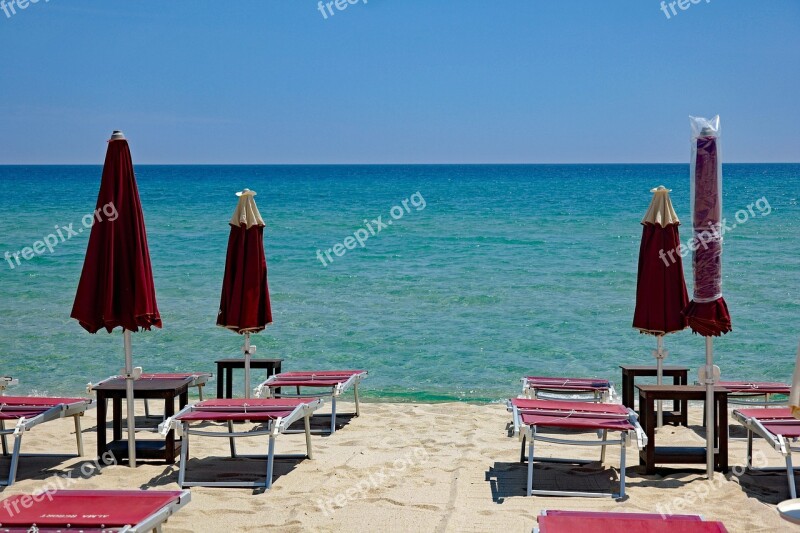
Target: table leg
(723,433)
(627,392)
(102,413)
(676,404)
(117,407)
(169,410)
(276,369)
(220,375)
(685,403)
(229,383)
(648,416)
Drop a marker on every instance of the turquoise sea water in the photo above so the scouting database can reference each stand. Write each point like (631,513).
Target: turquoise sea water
(507,271)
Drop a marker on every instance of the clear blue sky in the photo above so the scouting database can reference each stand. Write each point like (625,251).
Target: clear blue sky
(397,81)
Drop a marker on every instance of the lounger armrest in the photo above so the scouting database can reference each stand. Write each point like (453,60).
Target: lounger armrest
(299,412)
(173,423)
(641,436)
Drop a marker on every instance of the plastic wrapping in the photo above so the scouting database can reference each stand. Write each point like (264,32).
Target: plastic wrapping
(706,204)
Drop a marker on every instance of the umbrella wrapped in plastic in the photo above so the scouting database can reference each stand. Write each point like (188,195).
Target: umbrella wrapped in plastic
(116,287)
(660,287)
(707,313)
(244,304)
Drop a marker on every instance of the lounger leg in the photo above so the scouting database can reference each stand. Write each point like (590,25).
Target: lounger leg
(232,439)
(603,448)
(333,415)
(307,420)
(200,392)
(12,474)
(270,460)
(355,393)
(530,468)
(790,474)
(3,437)
(184,455)
(78,434)
(622,469)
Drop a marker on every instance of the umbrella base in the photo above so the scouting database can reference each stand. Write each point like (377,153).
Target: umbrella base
(146,450)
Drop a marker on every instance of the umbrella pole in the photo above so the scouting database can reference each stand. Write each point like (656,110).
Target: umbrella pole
(660,377)
(711,408)
(129,398)
(246,365)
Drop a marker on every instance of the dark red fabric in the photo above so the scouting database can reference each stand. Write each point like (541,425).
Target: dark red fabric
(709,319)
(660,287)
(570,522)
(568,406)
(84,508)
(755,387)
(116,286)
(569,384)
(244,305)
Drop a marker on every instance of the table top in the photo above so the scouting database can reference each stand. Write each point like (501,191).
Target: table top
(253,361)
(653,367)
(678,388)
(178,386)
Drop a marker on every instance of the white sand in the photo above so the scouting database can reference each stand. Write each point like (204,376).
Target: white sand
(414,467)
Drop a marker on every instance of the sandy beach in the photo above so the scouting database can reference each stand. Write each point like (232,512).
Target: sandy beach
(412,467)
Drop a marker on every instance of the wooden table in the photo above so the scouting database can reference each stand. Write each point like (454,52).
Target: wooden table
(679,375)
(652,455)
(115,389)
(225,371)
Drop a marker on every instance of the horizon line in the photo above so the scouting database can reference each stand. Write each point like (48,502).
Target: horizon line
(381,164)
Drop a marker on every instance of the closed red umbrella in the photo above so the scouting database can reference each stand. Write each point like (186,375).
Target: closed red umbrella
(707,313)
(660,288)
(116,286)
(244,305)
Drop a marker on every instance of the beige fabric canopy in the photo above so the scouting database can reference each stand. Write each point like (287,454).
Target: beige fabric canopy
(246,212)
(661,211)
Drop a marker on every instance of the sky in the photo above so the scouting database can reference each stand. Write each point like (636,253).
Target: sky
(397,81)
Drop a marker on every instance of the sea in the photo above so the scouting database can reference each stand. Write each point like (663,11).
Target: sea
(445,282)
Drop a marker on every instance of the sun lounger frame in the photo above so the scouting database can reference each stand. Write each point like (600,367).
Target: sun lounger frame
(152,522)
(582,391)
(274,428)
(620,518)
(274,382)
(530,434)
(778,442)
(56,411)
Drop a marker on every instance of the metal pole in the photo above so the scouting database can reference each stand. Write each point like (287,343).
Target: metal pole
(711,409)
(246,365)
(131,423)
(660,376)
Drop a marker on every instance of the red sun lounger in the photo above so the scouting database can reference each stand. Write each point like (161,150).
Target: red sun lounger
(27,412)
(743,392)
(778,427)
(275,415)
(572,521)
(98,511)
(530,416)
(572,389)
(338,381)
